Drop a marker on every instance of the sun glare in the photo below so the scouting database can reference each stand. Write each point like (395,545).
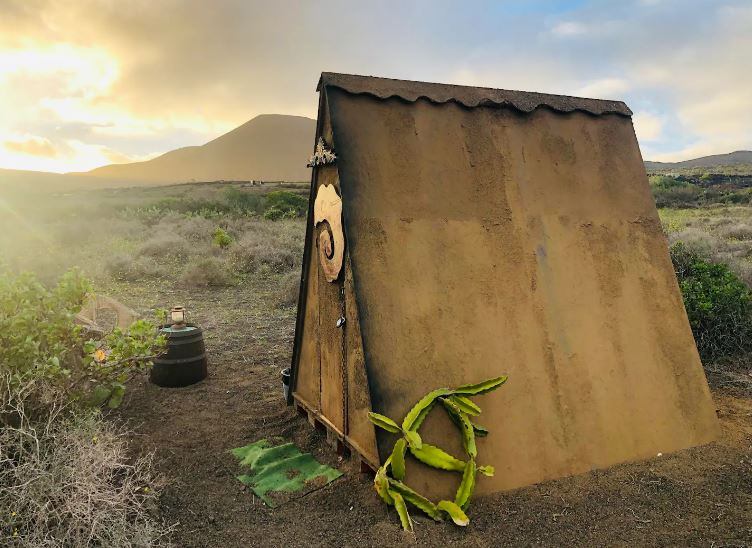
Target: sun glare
(68,82)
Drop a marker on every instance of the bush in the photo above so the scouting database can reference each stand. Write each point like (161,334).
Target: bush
(129,269)
(66,480)
(674,192)
(221,238)
(718,304)
(283,204)
(41,343)
(193,228)
(243,202)
(680,196)
(207,272)
(191,206)
(165,244)
(738,231)
(289,289)
(249,258)
(275,214)
(700,242)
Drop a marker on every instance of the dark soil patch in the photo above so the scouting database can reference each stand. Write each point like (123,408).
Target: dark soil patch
(697,497)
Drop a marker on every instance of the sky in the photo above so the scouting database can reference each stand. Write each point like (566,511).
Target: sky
(85,83)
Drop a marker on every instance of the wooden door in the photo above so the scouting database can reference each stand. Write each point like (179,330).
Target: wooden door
(331,337)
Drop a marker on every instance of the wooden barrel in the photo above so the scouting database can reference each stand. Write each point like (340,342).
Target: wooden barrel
(184,362)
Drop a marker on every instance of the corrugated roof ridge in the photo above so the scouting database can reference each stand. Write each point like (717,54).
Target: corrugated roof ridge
(469,96)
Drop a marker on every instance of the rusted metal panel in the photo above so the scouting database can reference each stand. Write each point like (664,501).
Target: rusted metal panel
(485,241)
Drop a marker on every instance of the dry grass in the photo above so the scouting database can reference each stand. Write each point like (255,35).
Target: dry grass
(165,244)
(267,246)
(66,480)
(195,229)
(736,231)
(289,289)
(126,267)
(720,234)
(207,272)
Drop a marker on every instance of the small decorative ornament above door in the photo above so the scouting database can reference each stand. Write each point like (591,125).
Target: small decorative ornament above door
(322,156)
(328,209)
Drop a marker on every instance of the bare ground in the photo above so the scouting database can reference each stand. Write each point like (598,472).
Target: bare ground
(697,497)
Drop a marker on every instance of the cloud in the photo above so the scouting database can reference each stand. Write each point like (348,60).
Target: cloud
(34,146)
(605,88)
(142,77)
(648,127)
(569,28)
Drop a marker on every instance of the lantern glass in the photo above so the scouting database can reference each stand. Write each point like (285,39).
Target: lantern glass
(177,314)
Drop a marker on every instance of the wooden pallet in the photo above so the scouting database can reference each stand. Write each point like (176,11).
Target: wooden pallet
(343,446)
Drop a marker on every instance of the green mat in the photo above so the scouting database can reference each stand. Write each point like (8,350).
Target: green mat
(280,473)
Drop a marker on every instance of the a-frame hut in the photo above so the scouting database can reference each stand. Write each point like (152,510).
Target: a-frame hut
(464,233)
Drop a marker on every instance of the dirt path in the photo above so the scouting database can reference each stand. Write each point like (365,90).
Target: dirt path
(698,497)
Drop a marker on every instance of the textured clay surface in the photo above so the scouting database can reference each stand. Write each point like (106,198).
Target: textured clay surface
(486,241)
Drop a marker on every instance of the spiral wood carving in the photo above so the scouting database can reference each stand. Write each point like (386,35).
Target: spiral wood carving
(327,211)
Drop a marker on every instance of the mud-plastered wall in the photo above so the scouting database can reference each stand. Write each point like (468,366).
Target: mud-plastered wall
(486,241)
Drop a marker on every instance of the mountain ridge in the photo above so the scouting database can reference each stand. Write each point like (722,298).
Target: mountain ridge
(738,157)
(270,147)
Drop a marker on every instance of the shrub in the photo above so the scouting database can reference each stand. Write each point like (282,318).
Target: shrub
(207,272)
(680,196)
(250,257)
(129,269)
(274,214)
(674,192)
(221,238)
(718,304)
(165,244)
(707,246)
(698,241)
(283,204)
(289,289)
(194,228)
(243,202)
(41,342)
(738,231)
(66,480)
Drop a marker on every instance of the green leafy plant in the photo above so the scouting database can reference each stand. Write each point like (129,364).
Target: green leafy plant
(674,192)
(221,238)
(41,342)
(718,304)
(282,204)
(242,201)
(389,480)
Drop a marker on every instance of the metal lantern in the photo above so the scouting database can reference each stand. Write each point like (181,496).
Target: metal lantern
(177,315)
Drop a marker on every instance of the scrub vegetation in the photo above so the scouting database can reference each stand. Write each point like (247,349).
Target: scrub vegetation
(67,475)
(707,216)
(157,469)
(711,248)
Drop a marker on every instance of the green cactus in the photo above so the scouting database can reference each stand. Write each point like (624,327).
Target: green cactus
(460,408)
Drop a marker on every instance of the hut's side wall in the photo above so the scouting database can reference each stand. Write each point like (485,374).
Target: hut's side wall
(483,242)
